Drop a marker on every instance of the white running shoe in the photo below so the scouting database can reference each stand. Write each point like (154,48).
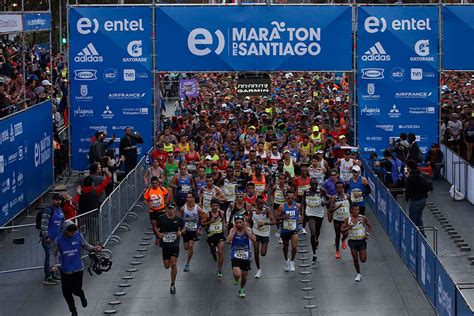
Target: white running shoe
(280,241)
(358,278)
(277,234)
(258,275)
(303,231)
(292,266)
(287,265)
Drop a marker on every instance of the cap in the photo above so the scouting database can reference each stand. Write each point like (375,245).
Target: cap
(252,127)
(208,157)
(171,205)
(57,197)
(286,151)
(45,83)
(356,168)
(238,216)
(177,150)
(342,136)
(315,128)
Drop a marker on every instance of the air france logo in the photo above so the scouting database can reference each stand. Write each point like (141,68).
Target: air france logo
(88,54)
(279,39)
(422,49)
(376,53)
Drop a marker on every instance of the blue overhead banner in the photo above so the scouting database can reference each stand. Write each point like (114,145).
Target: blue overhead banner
(36,21)
(111,79)
(26,159)
(458,25)
(265,38)
(397,56)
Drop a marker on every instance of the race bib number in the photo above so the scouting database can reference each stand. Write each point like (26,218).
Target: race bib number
(241,254)
(343,211)
(260,188)
(185,188)
(289,224)
(156,201)
(215,228)
(169,237)
(345,175)
(262,227)
(357,232)
(357,196)
(313,201)
(190,225)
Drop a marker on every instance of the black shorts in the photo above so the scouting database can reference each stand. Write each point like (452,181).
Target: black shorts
(362,210)
(337,222)
(190,236)
(169,252)
(287,235)
(214,240)
(244,265)
(154,215)
(263,239)
(358,245)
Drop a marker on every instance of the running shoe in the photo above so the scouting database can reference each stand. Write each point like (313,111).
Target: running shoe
(280,241)
(258,275)
(242,293)
(186,267)
(338,254)
(172,289)
(292,266)
(358,278)
(236,282)
(219,274)
(314,259)
(50,281)
(303,231)
(83,301)
(344,245)
(277,234)
(287,265)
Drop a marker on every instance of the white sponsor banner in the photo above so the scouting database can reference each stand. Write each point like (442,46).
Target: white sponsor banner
(11,23)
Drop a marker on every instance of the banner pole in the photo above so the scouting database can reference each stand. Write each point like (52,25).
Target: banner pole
(68,107)
(354,74)
(440,65)
(156,102)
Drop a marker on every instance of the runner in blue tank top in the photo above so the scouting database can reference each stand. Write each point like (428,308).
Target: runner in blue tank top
(239,239)
(358,189)
(182,183)
(290,215)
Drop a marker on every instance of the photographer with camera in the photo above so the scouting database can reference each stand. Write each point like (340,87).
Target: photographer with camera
(128,148)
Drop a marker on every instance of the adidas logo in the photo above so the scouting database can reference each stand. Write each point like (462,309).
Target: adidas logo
(376,53)
(88,55)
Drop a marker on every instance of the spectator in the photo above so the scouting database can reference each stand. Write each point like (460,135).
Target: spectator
(434,158)
(392,170)
(414,152)
(128,148)
(69,206)
(98,148)
(469,138)
(89,197)
(416,193)
(51,222)
(454,129)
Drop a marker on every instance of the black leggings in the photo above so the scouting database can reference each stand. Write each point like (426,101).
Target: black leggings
(315,229)
(72,284)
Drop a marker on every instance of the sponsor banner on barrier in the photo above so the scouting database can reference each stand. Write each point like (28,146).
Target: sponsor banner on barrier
(188,88)
(110,88)
(408,242)
(458,24)
(445,292)
(394,211)
(36,21)
(245,38)
(254,87)
(397,52)
(462,307)
(10,23)
(382,205)
(426,269)
(26,142)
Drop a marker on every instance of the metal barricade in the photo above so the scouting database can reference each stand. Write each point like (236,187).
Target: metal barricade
(119,205)
(88,224)
(20,248)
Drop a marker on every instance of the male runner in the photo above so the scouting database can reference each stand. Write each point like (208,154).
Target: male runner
(170,227)
(339,205)
(290,214)
(214,221)
(208,193)
(313,206)
(239,239)
(357,234)
(157,197)
(262,219)
(191,213)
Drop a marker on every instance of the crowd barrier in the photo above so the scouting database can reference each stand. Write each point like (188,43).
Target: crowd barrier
(458,172)
(20,245)
(415,250)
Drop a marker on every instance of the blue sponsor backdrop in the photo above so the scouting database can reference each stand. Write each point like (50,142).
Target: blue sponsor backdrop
(394,211)
(445,292)
(263,38)
(111,80)
(397,57)
(382,205)
(36,21)
(458,25)
(426,269)
(26,159)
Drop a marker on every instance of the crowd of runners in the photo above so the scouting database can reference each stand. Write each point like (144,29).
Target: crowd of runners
(248,171)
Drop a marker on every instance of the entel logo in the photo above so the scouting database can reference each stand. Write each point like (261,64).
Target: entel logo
(85,25)
(201,36)
(373,24)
